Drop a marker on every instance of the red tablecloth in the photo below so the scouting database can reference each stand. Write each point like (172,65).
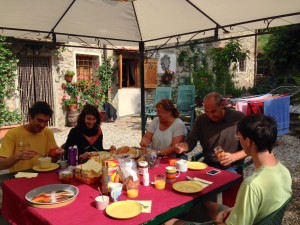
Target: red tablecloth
(82,211)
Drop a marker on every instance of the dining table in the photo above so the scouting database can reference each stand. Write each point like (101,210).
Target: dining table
(165,204)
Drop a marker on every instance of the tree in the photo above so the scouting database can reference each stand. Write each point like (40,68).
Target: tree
(282,53)
(222,59)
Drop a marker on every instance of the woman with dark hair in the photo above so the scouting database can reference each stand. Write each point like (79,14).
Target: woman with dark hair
(87,135)
(165,130)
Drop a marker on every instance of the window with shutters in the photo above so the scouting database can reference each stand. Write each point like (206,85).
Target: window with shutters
(86,66)
(129,70)
(128,63)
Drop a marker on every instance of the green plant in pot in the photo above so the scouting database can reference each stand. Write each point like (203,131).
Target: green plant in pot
(69,75)
(8,68)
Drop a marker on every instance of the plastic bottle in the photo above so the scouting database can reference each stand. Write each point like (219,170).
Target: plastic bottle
(146,179)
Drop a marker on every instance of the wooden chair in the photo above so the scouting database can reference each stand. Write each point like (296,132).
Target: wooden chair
(186,102)
(160,93)
(275,217)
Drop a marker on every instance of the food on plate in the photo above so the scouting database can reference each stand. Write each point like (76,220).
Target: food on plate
(126,151)
(53,196)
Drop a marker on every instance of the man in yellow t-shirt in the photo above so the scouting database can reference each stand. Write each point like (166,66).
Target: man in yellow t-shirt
(22,146)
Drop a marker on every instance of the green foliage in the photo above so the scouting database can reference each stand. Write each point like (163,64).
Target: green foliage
(222,59)
(72,89)
(83,92)
(105,76)
(203,80)
(8,68)
(192,57)
(8,117)
(282,53)
(90,92)
(70,101)
(218,76)
(70,72)
(264,85)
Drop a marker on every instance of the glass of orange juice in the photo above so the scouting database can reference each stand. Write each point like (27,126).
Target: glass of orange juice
(160,181)
(132,191)
(219,152)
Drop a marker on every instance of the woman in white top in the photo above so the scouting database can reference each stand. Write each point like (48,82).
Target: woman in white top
(165,130)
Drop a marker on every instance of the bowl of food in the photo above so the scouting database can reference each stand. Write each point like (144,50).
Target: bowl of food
(52,196)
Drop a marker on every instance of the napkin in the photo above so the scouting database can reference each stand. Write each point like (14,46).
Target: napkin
(26,174)
(146,205)
(204,183)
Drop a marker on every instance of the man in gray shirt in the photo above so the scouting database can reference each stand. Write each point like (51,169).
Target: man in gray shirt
(216,127)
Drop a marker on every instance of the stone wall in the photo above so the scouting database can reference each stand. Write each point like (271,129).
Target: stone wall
(246,79)
(63,59)
(241,79)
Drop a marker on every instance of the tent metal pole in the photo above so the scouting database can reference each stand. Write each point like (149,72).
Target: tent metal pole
(143,118)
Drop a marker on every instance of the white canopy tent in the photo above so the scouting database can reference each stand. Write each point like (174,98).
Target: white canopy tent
(140,23)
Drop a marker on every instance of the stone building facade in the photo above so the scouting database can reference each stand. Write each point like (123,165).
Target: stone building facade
(125,99)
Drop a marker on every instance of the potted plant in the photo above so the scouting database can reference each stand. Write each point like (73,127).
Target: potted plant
(69,75)
(71,103)
(8,68)
(167,77)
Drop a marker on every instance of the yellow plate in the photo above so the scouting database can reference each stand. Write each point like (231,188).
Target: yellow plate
(53,166)
(124,209)
(197,165)
(187,187)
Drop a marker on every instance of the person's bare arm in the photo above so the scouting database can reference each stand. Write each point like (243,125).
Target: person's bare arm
(227,158)
(8,162)
(147,138)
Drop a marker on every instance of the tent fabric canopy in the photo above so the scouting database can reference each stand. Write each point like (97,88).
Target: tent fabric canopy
(140,23)
(154,22)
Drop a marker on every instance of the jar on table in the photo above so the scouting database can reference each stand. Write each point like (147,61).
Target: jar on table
(143,167)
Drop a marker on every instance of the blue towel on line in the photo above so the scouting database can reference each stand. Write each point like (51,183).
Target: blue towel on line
(279,109)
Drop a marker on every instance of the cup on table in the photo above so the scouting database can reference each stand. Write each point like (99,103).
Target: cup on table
(172,162)
(182,165)
(66,176)
(172,173)
(101,202)
(132,191)
(160,181)
(219,152)
(115,191)
(62,164)
(44,162)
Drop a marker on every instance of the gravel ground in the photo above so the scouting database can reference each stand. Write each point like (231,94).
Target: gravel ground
(127,131)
